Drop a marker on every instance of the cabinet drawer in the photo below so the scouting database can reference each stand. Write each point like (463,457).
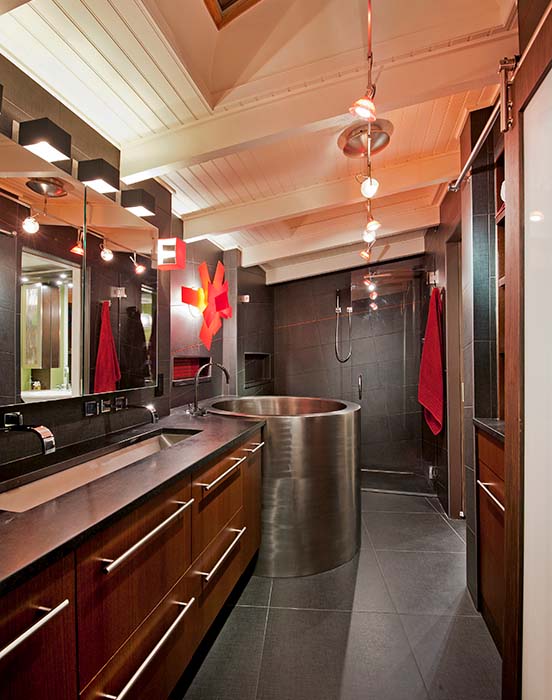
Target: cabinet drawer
(218,495)
(217,570)
(125,570)
(492,453)
(489,480)
(37,636)
(153,659)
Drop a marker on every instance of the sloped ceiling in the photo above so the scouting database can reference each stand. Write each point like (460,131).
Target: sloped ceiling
(241,123)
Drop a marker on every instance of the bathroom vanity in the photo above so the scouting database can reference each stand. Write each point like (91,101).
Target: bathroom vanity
(107,591)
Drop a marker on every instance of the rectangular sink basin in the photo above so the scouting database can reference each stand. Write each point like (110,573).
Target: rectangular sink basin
(23,498)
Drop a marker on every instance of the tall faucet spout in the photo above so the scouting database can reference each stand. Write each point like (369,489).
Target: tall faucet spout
(196,410)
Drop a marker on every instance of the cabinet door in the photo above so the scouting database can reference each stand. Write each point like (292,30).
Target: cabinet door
(37,637)
(125,570)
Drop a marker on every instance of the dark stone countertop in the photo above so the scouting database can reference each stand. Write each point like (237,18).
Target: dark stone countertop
(31,539)
(491,426)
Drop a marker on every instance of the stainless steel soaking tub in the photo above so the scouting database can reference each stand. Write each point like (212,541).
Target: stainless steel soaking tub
(311,481)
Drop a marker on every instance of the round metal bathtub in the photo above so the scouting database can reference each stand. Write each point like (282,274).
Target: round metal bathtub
(311,481)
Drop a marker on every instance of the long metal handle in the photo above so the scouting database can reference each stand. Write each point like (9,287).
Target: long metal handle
(209,575)
(52,612)
(360,387)
(492,496)
(237,460)
(149,658)
(257,447)
(114,563)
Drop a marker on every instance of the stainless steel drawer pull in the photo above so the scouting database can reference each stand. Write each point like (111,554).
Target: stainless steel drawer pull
(51,612)
(208,576)
(114,563)
(258,446)
(149,658)
(492,496)
(237,461)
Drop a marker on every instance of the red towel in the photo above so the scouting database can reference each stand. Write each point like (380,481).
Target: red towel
(430,388)
(108,371)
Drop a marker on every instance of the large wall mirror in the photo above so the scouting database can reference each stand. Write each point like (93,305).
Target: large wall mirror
(76,281)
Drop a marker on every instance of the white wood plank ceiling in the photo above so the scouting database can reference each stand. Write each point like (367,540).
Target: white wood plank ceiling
(242,123)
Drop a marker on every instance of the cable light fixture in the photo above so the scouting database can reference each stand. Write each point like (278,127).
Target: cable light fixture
(139,269)
(106,253)
(78,248)
(364,107)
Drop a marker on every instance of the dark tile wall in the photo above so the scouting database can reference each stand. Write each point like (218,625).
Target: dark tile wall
(385,350)
(186,324)
(479,315)
(255,326)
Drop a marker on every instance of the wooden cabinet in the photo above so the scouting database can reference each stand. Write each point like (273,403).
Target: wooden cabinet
(491,510)
(126,569)
(137,597)
(37,636)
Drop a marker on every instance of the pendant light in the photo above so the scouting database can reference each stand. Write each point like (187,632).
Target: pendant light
(30,224)
(139,202)
(139,269)
(106,253)
(364,107)
(45,139)
(99,175)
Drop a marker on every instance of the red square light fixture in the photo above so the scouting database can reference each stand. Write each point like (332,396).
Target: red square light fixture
(171,254)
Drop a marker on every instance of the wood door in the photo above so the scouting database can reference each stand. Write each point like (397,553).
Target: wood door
(534,66)
(42,665)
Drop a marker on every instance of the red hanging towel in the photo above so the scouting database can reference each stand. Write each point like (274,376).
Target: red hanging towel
(108,371)
(430,388)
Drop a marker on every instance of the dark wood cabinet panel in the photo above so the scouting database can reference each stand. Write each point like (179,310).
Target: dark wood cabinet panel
(112,605)
(42,666)
(491,452)
(169,636)
(218,495)
(252,496)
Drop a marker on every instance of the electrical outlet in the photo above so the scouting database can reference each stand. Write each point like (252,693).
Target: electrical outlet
(91,408)
(120,403)
(105,405)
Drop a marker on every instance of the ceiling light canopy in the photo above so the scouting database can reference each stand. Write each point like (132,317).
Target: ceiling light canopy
(45,139)
(139,202)
(99,175)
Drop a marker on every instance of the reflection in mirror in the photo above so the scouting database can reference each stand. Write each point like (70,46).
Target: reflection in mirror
(50,339)
(122,307)
(40,283)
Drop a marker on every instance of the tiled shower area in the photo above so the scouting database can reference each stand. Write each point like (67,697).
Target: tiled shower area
(386,343)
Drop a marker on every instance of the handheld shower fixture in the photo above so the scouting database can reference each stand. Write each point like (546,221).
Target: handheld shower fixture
(337,340)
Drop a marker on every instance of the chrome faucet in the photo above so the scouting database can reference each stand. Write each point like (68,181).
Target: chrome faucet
(153,411)
(196,410)
(14,421)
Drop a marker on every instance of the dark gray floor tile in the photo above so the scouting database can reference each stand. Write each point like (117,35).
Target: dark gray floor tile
(456,656)
(231,668)
(427,582)
(459,526)
(357,585)
(421,532)
(395,503)
(337,656)
(256,592)
(394,483)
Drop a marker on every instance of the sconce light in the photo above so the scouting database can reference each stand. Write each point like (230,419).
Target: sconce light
(45,139)
(99,175)
(171,254)
(78,248)
(139,202)
(139,269)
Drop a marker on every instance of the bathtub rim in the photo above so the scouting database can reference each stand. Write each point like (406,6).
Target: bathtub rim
(348,407)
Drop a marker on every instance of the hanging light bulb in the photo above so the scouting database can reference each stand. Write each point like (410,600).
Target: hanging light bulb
(139,269)
(106,253)
(374,306)
(369,235)
(78,248)
(370,285)
(30,224)
(373,296)
(369,187)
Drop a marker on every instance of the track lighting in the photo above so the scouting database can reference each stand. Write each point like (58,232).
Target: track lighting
(99,175)
(366,253)
(139,269)
(30,224)
(369,187)
(371,286)
(374,306)
(106,253)
(373,296)
(369,235)
(364,107)
(78,248)
(373,224)
(45,139)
